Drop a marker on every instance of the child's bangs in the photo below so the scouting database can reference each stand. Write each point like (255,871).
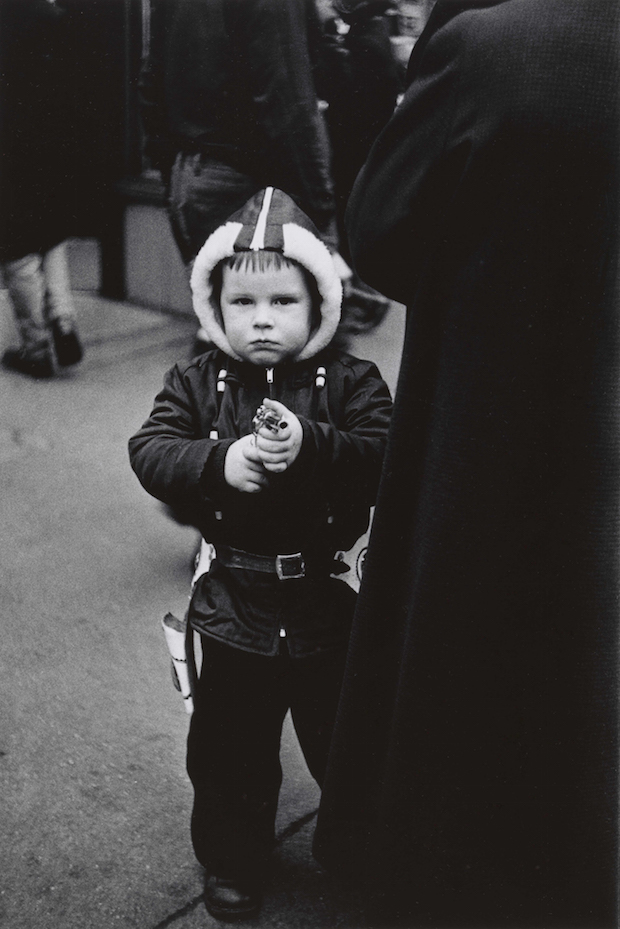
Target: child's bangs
(260,261)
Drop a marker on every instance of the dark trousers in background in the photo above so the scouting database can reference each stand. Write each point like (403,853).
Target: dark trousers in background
(203,195)
(234,746)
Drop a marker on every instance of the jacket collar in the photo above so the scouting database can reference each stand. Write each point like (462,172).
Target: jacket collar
(293,373)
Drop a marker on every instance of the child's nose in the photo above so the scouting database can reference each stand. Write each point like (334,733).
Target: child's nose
(263,315)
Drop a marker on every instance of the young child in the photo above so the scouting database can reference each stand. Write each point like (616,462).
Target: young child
(277,500)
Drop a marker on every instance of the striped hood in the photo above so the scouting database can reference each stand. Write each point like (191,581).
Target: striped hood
(269,221)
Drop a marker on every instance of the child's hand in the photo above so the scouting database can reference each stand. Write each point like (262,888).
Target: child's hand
(278,450)
(243,467)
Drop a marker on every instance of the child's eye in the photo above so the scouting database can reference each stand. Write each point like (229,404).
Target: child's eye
(284,301)
(242,301)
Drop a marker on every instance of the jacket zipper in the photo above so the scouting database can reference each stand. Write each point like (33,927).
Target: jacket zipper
(269,376)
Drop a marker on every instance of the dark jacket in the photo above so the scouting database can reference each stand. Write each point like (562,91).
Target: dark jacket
(37,118)
(317,507)
(473,774)
(360,79)
(234,81)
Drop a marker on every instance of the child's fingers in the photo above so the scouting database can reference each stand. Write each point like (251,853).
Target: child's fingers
(265,444)
(251,453)
(270,460)
(277,407)
(279,435)
(251,487)
(256,477)
(276,467)
(274,454)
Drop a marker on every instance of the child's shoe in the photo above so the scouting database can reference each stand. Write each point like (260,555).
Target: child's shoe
(67,343)
(229,899)
(35,361)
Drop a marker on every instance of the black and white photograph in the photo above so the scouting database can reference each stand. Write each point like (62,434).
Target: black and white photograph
(310,464)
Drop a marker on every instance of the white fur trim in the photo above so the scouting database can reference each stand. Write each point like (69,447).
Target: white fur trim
(343,271)
(303,246)
(299,244)
(218,246)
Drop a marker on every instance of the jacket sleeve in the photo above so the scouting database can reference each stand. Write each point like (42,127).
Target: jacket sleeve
(170,454)
(395,212)
(274,54)
(346,458)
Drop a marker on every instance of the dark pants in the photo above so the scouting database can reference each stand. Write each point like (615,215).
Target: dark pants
(233,746)
(203,195)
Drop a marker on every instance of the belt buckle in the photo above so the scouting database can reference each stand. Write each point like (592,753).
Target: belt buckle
(289,567)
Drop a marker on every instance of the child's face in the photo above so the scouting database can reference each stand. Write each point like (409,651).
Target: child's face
(266,314)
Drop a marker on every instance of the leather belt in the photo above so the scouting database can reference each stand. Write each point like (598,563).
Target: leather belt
(286,567)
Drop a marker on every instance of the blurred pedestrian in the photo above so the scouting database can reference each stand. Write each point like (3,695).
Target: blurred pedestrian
(360,79)
(36,184)
(40,292)
(277,503)
(473,777)
(229,106)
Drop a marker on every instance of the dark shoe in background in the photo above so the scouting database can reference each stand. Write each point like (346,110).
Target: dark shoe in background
(36,361)
(230,900)
(67,343)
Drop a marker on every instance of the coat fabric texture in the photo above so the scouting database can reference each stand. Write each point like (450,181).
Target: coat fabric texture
(473,774)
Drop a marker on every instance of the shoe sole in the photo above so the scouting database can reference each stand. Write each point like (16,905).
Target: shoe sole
(35,375)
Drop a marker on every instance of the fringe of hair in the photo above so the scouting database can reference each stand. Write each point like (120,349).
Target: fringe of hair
(259,260)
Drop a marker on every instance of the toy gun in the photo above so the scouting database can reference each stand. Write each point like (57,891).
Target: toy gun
(268,418)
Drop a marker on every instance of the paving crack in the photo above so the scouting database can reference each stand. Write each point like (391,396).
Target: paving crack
(178,914)
(285,834)
(295,826)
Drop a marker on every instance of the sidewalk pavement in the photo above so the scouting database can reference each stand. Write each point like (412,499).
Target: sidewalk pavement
(95,800)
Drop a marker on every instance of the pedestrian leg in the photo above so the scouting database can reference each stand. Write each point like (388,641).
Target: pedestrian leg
(59,306)
(24,281)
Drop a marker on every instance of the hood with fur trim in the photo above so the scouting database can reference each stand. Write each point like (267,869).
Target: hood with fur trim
(269,221)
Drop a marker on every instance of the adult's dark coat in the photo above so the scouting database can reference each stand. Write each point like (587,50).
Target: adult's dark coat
(62,123)
(36,166)
(473,778)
